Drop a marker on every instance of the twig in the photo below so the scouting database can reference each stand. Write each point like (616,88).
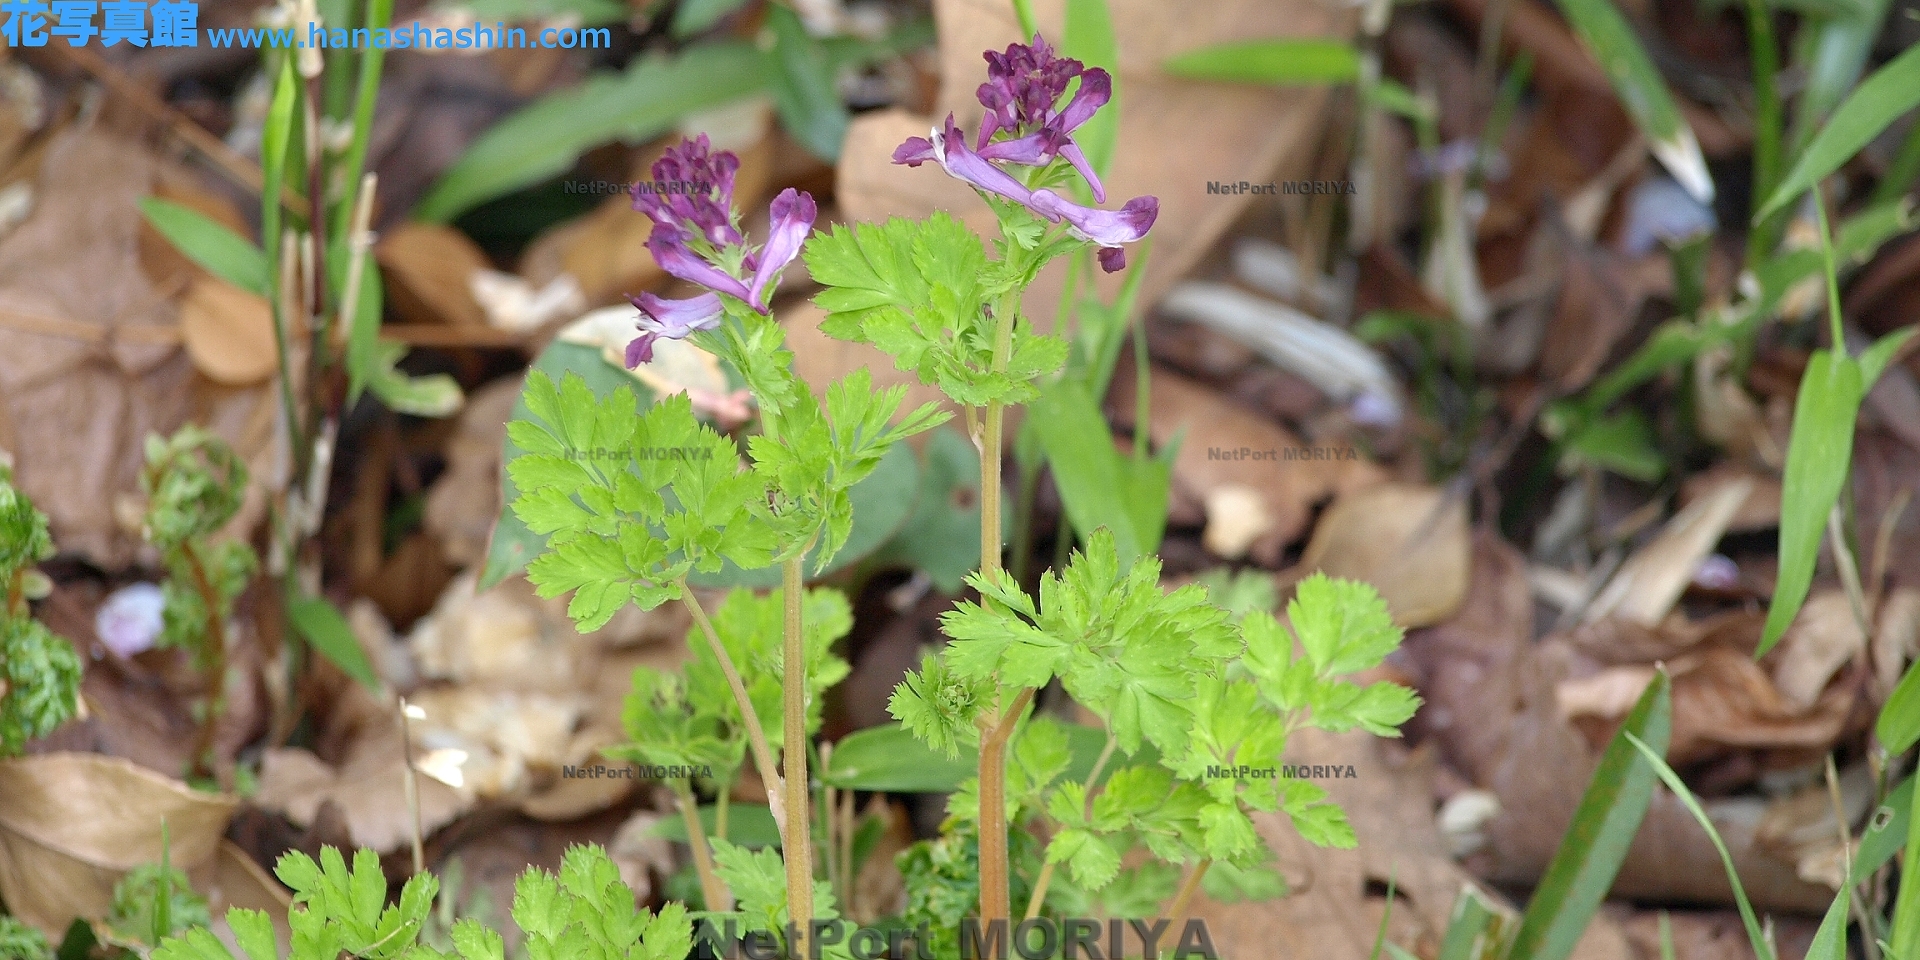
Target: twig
(239,168)
(407,712)
(1849,572)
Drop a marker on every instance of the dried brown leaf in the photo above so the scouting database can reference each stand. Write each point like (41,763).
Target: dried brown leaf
(1409,540)
(228,332)
(428,269)
(72,823)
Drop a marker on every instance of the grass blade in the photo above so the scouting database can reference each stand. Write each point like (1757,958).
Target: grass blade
(1583,868)
(545,138)
(1886,832)
(1612,42)
(1882,98)
(1762,947)
(803,87)
(224,253)
(1904,938)
(321,624)
(1099,485)
(1819,453)
(1089,39)
(1288,62)
(1899,725)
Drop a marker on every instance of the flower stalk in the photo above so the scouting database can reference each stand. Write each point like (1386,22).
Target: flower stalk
(798,835)
(756,733)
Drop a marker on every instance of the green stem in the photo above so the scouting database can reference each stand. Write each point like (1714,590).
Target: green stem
(995,896)
(756,734)
(797,842)
(1040,889)
(718,898)
(215,652)
(1833,282)
(1767,125)
(1184,899)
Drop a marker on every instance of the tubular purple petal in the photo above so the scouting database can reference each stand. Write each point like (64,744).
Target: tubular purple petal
(677,318)
(640,349)
(669,248)
(914,152)
(962,163)
(793,214)
(1108,228)
(1079,160)
(1096,88)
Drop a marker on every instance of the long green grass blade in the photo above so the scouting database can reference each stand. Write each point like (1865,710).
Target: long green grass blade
(224,253)
(1819,453)
(1762,946)
(379,15)
(1099,485)
(1904,938)
(1611,40)
(1886,832)
(1089,39)
(1881,99)
(803,87)
(1288,62)
(1899,725)
(543,139)
(1596,843)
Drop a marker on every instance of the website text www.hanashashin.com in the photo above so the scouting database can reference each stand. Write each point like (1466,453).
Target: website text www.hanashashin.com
(176,23)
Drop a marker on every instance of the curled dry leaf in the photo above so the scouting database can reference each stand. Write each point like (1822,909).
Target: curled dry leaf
(1760,511)
(1409,540)
(228,332)
(1823,638)
(1493,704)
(72,823)
(1646,587)
(428,269)
(1896,635)
(1801,827)
(1227,446)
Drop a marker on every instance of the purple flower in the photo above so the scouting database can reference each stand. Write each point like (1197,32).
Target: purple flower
(1022,96)
(692,189)
(1108,228)
(660,317)
(694,238)
(131,620)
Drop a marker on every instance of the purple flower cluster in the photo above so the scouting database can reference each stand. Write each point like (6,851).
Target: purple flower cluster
(1025,125)
(694,234)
